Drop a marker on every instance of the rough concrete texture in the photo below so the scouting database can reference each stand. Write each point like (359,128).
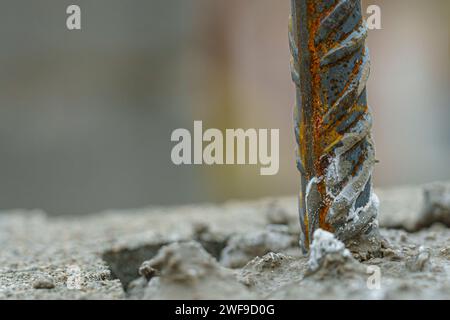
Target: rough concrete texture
(187,270)
(238,250)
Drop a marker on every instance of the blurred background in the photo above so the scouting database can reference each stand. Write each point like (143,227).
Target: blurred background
(86,116)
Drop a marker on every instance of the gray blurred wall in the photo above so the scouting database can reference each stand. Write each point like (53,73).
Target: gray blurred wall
(86,116)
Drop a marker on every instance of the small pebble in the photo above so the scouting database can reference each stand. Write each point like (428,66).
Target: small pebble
(147,271)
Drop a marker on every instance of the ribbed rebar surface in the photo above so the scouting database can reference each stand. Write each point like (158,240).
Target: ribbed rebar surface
(336,156)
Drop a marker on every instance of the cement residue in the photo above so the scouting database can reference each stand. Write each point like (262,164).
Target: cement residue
(415,269)
(326,250)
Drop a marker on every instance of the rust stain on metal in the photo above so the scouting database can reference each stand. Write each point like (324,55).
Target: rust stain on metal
(330,66)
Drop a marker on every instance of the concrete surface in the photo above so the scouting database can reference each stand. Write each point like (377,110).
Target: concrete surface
(233,250)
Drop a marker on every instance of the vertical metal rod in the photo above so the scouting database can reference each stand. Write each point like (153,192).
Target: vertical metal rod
(330,67)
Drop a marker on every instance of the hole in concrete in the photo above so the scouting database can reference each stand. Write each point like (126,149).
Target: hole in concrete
(124,264)
(213,247)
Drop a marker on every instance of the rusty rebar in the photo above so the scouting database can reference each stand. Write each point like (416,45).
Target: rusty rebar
(336,156)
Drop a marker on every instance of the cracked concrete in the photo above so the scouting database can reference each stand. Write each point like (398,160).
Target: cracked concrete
(101,256)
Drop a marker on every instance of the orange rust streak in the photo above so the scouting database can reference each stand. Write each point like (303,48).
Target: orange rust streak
(317,110)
